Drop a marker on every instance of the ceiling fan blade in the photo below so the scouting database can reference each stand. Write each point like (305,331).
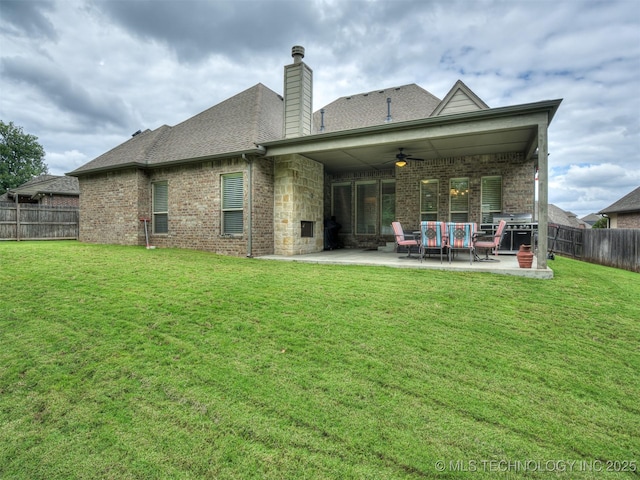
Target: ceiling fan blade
(413,158)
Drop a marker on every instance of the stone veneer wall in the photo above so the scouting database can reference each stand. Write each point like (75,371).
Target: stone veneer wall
(517,184)
(109,207)
(298,196)
(112,204)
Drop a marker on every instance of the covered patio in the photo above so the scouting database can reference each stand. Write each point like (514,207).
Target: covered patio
(505,264)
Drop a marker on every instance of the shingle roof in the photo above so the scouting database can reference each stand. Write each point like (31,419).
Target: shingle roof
(48,184)
(564,217)
(408,102)
(629,203)
(237,124)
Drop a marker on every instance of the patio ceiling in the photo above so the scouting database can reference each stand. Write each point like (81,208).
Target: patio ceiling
(493,131)
(382,156)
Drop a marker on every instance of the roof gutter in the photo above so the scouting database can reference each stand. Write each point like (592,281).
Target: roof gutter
(258,150)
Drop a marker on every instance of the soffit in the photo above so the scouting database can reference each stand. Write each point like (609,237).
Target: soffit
(492,131)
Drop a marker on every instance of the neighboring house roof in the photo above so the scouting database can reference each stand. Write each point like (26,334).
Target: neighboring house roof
(408,102)
(591,218)
(236,125)
(559,216)
(460,99)
(47,185)
(629,203)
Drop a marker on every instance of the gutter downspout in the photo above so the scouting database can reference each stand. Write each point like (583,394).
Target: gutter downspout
(250,205)
(260,151)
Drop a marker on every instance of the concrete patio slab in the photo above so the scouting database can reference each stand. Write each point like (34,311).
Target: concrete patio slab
(505,264)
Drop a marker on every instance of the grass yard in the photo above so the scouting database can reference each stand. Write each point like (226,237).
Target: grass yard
(121,362)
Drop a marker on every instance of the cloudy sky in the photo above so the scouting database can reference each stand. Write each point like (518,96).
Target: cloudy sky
(83,75)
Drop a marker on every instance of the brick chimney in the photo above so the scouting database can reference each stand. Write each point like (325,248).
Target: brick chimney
(298,92)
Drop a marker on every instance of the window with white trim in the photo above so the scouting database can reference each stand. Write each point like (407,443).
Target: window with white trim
(490,197)
(160,207)
(429,195)
(459,199)
(233,204)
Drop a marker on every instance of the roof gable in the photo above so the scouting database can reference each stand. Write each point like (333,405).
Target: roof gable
(629,203)
(460,99)
(408,102)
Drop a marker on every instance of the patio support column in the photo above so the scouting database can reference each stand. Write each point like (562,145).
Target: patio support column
(543,192)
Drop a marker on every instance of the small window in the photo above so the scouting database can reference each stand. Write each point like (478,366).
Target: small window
(160,207)
(459,199)
(232,204)
(306,228)
(429,196)
(491,197)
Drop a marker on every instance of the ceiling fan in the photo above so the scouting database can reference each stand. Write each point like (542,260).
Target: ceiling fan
(401,158)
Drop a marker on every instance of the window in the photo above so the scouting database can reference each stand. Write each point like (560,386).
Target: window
(491,197)
(341,205)
(459,199)
(366,208)
(388,206)
(160,207)
(232,204)
(429,200)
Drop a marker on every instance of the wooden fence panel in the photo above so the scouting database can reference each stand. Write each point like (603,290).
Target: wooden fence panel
(38,222)
(619,248)
(616,247)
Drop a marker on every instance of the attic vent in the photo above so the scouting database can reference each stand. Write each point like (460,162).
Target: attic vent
(136,133)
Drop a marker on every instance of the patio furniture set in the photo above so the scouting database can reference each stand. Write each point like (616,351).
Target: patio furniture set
(449,237)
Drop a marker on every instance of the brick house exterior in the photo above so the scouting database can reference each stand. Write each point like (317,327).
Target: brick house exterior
(259,173)
(624,213)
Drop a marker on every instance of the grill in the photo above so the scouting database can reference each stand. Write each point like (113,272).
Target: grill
(520,230)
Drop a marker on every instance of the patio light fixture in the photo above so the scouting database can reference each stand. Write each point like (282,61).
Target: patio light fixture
(401,163)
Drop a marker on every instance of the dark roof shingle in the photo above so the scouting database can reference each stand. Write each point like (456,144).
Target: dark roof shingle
(629,203)
(408,102)
(235,125)
(48,184)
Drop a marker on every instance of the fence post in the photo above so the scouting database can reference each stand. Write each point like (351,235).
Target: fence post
(17,219)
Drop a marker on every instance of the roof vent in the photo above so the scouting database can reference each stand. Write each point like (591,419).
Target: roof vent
(297,52)
(388,119)
(136,133)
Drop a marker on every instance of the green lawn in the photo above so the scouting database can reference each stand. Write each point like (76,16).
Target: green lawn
(121,362)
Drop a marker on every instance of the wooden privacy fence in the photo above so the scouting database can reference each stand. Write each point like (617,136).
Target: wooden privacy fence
(26,221)
(613,247)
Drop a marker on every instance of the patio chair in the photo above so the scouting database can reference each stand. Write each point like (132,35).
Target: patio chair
(404,240)
(460,238)
(487,244)
(433,237)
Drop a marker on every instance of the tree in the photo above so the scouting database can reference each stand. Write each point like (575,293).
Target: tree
(601,223)
(21,156)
